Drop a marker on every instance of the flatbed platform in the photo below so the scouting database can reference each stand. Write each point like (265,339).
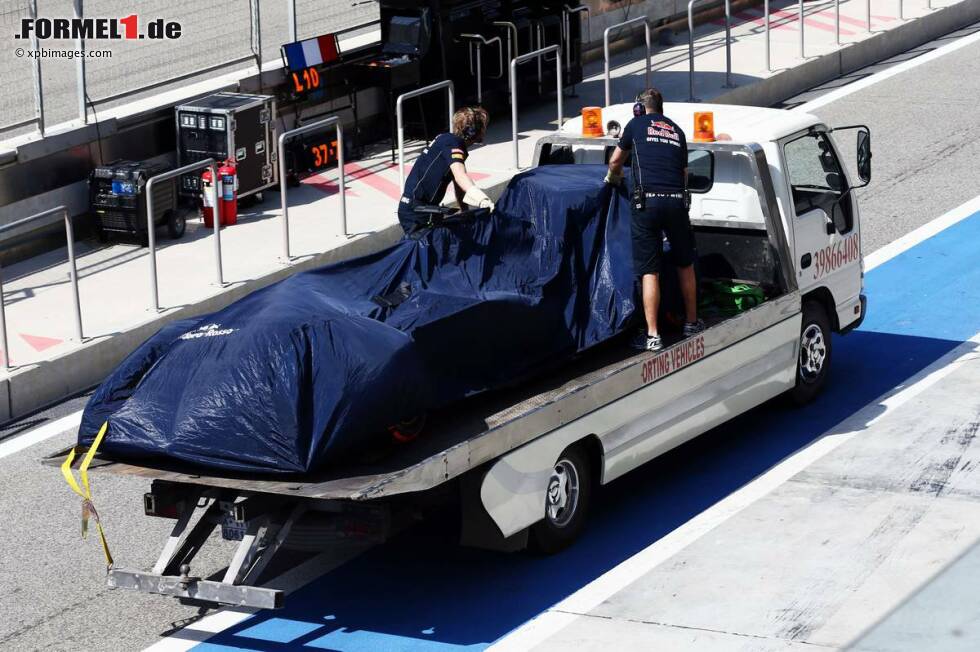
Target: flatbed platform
(474,431)
(453,434)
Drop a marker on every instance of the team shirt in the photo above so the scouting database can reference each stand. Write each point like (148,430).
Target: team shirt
(430,176)
(659,151)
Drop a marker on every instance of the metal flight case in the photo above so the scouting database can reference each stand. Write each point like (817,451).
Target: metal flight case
(229,125)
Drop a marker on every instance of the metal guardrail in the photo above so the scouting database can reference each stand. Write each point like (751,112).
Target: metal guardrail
(516,61)
(768,53)
(38,87)
(566,18)
(837,21)
(605,51)
(513,41)
(537,27)
(150,225)
(332,121)
(802,19)
(73,275)
(480,40)
(400,121)
(728,44)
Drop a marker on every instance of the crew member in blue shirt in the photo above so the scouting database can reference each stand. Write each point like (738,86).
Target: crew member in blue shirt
(659,164)
(441,163)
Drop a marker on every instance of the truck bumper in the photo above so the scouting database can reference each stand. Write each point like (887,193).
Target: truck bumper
(219,593)
(857,322)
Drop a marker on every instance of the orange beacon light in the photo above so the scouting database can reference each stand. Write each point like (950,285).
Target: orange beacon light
(704,126)
(592,122)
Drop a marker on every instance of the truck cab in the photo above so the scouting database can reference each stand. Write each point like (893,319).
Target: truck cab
(812,186)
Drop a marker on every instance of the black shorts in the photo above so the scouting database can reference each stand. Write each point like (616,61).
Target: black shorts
(662,216)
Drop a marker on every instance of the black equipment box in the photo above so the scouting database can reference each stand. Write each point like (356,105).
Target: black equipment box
(229,125)
(117,194)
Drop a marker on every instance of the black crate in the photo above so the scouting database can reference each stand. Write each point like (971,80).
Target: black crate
(229,125)
(117,196)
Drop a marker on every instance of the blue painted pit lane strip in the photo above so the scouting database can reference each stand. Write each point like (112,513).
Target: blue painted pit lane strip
(421,591)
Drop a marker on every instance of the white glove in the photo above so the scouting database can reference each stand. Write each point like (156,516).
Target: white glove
(613,178)
(476,197)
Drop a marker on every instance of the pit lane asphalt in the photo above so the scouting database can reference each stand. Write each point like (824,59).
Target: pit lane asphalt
(52,592)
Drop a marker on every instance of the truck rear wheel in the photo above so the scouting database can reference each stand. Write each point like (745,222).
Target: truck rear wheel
(566,502)
(813,365)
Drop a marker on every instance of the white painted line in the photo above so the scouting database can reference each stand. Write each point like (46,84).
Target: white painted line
(36,436)
(924,232)
(590,596)
(897,69)
(602,588)
(292,580)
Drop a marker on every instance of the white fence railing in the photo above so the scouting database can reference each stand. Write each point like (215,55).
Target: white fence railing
(151,224)
(326,123)
(73,276)
(400,117)
(516,61)
(605,50)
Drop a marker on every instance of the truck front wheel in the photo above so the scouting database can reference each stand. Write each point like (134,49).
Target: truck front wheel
(815,353)
(566,502)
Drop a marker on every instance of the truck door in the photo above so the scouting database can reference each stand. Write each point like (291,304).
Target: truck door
(828,248)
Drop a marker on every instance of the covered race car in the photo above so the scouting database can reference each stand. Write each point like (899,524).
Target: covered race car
(306,371)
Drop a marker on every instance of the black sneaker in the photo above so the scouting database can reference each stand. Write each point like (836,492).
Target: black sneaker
(693,329)
(639,339)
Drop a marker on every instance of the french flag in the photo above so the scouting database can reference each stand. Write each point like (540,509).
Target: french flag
(311,52)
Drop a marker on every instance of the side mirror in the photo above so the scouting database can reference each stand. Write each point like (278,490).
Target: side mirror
(863,151)
(700,170)
(864,154)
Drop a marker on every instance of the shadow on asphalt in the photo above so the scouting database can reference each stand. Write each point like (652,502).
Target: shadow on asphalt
(423,587)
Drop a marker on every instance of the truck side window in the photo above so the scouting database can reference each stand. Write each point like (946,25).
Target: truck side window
(817,180)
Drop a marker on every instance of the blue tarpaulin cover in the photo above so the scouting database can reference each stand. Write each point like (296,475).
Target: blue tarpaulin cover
(300,373)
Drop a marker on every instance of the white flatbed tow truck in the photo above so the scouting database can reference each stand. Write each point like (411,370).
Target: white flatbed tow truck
(772,204)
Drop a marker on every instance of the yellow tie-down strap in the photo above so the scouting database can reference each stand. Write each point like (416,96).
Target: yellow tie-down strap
(88,507)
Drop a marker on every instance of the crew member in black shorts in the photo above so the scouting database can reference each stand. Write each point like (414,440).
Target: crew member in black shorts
(659,163)
(442,162)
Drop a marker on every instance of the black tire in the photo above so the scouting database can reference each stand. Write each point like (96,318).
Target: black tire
(292,181)
(816,346)
(562,526)
(176,224)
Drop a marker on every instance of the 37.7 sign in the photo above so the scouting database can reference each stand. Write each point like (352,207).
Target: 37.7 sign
(311,155)
(324,154)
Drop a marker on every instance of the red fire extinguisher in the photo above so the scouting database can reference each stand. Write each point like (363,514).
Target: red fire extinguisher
(207,210)
(228,173)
